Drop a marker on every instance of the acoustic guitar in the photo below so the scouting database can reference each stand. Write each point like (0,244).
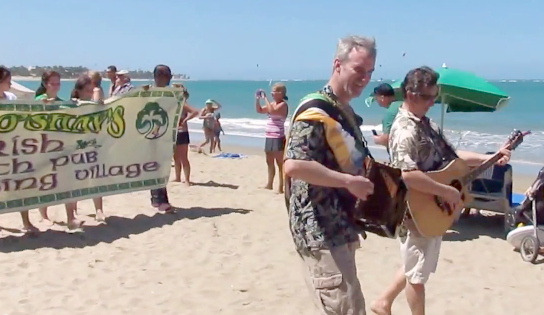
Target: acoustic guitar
(431,215)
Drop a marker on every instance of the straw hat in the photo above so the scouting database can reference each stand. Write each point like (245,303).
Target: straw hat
(215,105)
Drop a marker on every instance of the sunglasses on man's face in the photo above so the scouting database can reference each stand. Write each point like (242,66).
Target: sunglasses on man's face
(427,97)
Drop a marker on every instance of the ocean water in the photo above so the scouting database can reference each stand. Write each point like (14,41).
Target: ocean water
(480,132)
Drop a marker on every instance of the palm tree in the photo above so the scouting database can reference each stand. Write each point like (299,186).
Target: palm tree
(150,119)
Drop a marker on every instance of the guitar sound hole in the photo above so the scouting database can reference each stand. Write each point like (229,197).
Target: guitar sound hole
(457,185)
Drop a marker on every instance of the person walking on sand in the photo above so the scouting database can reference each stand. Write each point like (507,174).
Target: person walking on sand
(417,145)
(274,144)
(322,181)
(217,130)
(208,115)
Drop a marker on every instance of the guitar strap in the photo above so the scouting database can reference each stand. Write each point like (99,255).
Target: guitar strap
(353,129)
(429,130)
(326,101)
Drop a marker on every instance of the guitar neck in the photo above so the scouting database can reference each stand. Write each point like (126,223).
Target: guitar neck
(480,169)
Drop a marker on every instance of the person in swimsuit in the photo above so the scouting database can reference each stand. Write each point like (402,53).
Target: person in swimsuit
(181,160)
(275,130)
(5,95)
(98,91)
(207,114)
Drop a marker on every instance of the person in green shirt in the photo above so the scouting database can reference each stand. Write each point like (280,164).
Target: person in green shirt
(49,87)
(385,96)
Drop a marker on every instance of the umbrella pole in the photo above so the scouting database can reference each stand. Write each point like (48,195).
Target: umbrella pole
(443,111)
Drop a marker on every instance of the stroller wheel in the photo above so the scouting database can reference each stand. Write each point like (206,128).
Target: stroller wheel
(529,249)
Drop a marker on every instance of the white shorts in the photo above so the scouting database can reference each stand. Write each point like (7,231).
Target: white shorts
(419,257)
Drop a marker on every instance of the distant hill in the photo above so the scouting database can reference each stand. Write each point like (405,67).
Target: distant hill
(75,72)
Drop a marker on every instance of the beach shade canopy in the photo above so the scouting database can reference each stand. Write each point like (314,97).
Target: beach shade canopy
(462,91)
(21,91)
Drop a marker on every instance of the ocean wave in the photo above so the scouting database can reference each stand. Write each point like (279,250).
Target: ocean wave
(530,151)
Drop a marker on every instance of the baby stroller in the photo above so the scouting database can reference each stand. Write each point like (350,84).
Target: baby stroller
(525,223)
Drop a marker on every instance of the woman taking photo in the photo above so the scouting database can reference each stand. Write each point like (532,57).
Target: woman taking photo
(275,130)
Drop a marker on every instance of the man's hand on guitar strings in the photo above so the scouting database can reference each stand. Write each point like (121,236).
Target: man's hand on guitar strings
(452,197)
(360,186)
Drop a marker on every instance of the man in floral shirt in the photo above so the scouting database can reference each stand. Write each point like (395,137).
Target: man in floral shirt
(323,161)
(417,145)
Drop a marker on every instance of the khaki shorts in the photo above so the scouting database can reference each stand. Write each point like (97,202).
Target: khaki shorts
(419,256)
(331,276)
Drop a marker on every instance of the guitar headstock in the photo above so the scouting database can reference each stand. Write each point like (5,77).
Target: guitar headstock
(516,138)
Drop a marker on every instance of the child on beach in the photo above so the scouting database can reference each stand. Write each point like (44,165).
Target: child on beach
(217,132)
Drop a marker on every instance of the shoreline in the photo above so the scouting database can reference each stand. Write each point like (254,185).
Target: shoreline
(522,177)
(255,146)
(38,79)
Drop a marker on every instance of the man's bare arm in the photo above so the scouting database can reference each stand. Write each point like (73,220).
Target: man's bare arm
(472,158)
(315,173)
(382,139)
(420,181)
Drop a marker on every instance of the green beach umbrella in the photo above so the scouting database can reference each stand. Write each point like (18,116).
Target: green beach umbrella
(462,91)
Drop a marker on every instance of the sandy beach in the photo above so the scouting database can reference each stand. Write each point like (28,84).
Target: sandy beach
(228,250)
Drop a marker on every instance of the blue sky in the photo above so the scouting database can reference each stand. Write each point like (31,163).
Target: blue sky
(212,39)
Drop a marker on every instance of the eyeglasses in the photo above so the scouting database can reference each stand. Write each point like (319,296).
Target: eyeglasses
(427,97)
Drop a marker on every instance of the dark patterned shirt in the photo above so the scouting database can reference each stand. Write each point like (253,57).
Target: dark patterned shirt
(319,216)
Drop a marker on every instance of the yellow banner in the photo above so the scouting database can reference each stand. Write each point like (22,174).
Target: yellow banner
(56,153)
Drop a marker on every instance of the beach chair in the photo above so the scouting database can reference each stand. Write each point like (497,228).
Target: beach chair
(492,190)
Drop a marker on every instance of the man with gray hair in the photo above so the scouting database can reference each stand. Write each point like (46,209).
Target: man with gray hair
(323,159)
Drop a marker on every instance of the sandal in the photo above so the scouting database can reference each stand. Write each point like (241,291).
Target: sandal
(164,207)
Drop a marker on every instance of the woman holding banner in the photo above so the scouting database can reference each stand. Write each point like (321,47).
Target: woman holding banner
(85,90)
(5,95)
(48,92)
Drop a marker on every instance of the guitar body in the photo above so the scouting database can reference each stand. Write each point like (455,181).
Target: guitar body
(428,214)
